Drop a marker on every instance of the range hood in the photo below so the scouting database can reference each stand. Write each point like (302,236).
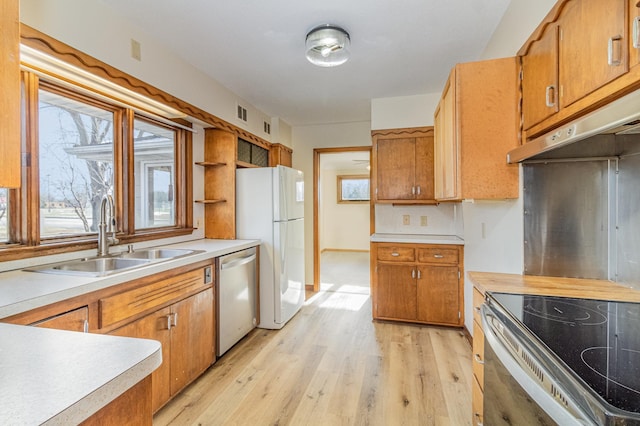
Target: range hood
(621,116)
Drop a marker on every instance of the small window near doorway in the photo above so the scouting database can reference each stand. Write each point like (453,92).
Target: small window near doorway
(353,189)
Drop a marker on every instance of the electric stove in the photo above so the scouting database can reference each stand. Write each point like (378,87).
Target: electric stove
(595,342)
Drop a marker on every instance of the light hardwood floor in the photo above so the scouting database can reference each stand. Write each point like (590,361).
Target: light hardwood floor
(332,365)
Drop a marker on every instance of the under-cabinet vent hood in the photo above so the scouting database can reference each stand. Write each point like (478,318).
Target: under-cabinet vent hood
(621,116)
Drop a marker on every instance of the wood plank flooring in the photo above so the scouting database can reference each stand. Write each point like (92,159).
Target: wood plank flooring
(332,365)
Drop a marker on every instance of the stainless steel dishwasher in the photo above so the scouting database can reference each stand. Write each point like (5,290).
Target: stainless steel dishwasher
(237,311)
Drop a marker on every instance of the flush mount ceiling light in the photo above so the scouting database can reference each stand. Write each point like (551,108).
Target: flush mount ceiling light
(328,46)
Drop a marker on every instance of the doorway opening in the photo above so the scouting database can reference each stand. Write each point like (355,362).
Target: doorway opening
(343,219)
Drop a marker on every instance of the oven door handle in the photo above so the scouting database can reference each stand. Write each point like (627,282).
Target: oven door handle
(540,395)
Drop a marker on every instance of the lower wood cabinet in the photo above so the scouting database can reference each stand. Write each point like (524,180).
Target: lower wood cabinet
(74,320)
(417,283)
(478,360)
(185,330)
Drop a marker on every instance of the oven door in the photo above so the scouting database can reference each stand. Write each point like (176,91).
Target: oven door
(518,389)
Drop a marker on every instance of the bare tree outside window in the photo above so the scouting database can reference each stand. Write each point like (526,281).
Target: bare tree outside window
(4,204)
(76,164)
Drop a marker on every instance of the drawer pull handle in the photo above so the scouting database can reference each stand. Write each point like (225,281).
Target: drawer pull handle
(169,322)
(438,256)
(394,254)
(478,359)
(478,419)
(413,273)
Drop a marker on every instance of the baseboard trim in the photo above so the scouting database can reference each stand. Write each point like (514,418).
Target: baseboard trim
(345,250)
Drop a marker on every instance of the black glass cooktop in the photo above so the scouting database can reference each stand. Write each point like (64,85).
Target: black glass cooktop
(598,340)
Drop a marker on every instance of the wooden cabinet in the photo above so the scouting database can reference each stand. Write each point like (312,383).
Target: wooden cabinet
(477,359)
(417,283)
(185,330)
(570,62)
(475,127)
(634,32)
(280,155)
(593,46)
(10,99)
(220,153)
(402,166)
(540,87)
(183,325)
(74,320)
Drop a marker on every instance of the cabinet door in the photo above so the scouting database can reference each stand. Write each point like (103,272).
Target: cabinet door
(10,99)
(192,344)
(593,46)
(446,145)
(424,168)
(438,295)
(395,169)
(75,320)
(154,326)
(634,33)
(540,78)
(396,292)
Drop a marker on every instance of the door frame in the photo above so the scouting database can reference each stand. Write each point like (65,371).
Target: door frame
(317,152)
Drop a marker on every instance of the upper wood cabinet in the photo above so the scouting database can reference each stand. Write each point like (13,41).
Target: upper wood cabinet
(475,127)
(592,46)
(540,78)
(10,99)
(574,61)
(402,165)
(634,32)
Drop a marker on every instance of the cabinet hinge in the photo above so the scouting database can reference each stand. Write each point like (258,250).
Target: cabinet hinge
(459,315)
(459,275)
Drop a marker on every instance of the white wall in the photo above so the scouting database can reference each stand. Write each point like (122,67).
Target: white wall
(305,140)
(343,226)
(91,27)
(403,111)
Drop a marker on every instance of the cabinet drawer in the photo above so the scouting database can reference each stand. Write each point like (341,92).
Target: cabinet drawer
(438,255)
(476,404)
(478,300)
(396,254)
(130,303)
(478,354)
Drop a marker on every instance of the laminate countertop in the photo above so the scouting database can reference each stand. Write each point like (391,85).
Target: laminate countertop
(63,377)
(22,291)
(553,286)
(416,239)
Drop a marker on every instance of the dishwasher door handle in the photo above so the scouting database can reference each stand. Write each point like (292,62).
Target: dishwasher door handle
(237,262)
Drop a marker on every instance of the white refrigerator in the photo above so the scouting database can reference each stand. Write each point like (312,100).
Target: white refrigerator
(270,207)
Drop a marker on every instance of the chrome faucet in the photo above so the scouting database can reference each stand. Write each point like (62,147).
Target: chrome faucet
(104,226)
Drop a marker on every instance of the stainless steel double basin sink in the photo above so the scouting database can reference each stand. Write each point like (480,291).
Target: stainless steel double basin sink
(112,264)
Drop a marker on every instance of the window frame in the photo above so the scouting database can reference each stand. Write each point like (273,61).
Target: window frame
(341,178)
(24,203)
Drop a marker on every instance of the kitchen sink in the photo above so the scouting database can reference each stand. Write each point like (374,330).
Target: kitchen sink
(103,266)
(157,253)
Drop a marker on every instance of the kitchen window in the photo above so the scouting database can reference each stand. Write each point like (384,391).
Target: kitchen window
(154,157)
(353,189)
(78,147)
(75,158)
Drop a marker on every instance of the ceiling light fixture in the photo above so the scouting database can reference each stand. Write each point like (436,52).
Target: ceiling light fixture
(328,46)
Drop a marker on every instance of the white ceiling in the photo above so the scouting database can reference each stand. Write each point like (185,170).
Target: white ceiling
(255,48)
(346,161)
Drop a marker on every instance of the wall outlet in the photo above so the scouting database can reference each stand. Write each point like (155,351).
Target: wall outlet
(423,221)
(406,219)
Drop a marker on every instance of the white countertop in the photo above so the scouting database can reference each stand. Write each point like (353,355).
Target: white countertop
(416,239)
(63,377)
(21,291)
